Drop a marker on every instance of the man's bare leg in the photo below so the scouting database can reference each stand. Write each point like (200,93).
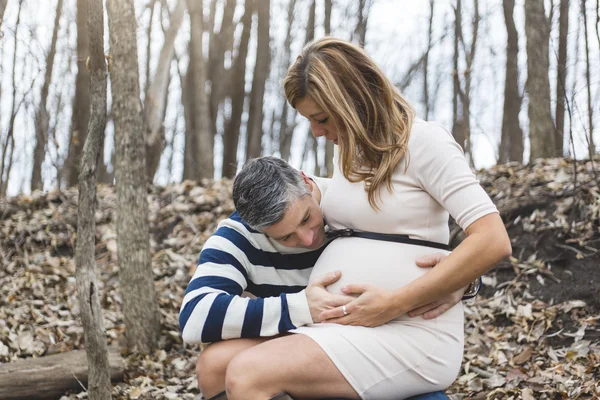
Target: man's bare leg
(295,364)
(213,361)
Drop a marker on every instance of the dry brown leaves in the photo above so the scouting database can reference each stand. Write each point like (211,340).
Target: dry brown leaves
(513,348)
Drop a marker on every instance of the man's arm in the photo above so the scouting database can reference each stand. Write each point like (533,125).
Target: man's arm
(214,310)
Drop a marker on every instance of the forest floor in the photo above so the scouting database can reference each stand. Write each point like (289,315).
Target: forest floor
(533,333)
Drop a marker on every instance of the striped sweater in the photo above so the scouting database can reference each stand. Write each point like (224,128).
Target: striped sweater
(237,259)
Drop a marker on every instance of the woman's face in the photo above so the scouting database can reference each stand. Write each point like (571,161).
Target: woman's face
(320,123)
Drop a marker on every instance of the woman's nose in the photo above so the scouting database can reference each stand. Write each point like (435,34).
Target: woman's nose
(317,129)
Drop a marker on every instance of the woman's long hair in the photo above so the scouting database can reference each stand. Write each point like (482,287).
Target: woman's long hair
(372,119)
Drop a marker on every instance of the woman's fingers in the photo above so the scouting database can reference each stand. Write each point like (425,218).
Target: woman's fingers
(336,312)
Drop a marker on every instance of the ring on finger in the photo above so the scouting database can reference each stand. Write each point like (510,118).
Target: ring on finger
(344,310)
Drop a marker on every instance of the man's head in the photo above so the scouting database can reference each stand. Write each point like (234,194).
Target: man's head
(280,201)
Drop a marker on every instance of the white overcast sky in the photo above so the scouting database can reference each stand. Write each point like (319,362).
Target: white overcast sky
(396,36)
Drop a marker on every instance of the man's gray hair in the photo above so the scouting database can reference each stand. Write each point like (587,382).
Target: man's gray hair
(264,189)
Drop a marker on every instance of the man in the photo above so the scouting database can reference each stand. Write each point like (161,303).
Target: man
(272,259)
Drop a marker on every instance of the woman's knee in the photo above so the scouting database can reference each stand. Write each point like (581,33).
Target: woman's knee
(211,366)
(244,378)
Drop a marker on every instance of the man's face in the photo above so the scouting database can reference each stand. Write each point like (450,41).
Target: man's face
(302,225)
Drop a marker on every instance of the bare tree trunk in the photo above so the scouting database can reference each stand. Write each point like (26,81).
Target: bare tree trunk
(360,31)
(541,127)
(99,386)
(457,119)
(155,102)
(591,145)
(221,43)
(310,36)
(261,72)
(81,102)
(9,143)
(238,94)
(465,95)
(561,76)
(328,144)
(3,4)
(511,142)
(190,159)
(286,132)
(42,120)
(204,133)
(152,6)
(426,61)
(135,270)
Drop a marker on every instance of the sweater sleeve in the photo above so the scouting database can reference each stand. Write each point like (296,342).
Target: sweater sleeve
(213,308)
(444,173)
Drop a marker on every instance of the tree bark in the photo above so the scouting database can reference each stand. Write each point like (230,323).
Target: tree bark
(221,43)
(238,95)
(561,76)
(328,144)
(511,141)
(42,120)
(135,270)
(286,131)
(541,127)
(465,94)
(360,31)
(87,287)
(151,6)
(311,141)
(155,103)
(49,377)
(8,146)
(81,102)
(204,148)
(457,119)
(426,60)
(591,145)
(190,159)
(261,72)
(3,4)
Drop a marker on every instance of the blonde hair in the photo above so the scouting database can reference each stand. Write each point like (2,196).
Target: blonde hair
(372,118)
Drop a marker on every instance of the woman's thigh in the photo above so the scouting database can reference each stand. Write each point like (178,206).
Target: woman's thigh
(295,364)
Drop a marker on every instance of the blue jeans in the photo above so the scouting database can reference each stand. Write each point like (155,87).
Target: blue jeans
(430,396)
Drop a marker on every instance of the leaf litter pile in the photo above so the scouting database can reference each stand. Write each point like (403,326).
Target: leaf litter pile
(533,333)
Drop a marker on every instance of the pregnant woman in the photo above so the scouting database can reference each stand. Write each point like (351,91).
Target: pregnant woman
(394,175)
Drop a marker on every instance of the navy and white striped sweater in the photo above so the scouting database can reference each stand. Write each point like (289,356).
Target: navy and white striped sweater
(235,259)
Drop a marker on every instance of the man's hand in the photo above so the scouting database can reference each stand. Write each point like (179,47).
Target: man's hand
(319,299)
(440,306)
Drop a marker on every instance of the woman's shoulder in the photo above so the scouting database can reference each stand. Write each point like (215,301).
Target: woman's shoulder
(428,133)
(431,144)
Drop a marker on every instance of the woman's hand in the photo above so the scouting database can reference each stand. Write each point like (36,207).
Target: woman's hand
(373,307)
(440,306)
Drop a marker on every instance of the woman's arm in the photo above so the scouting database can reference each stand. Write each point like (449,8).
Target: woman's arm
(486,244)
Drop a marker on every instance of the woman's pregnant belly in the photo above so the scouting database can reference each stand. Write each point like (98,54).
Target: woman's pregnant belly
(387,265)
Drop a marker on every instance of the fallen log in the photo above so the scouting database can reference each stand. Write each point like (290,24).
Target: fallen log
(50,377)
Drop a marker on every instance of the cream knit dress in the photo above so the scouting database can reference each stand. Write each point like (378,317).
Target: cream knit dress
(406,356)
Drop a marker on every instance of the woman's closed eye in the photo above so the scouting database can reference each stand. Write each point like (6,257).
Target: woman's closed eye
(323,121)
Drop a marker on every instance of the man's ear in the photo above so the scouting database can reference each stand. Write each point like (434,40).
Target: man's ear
(309,182)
